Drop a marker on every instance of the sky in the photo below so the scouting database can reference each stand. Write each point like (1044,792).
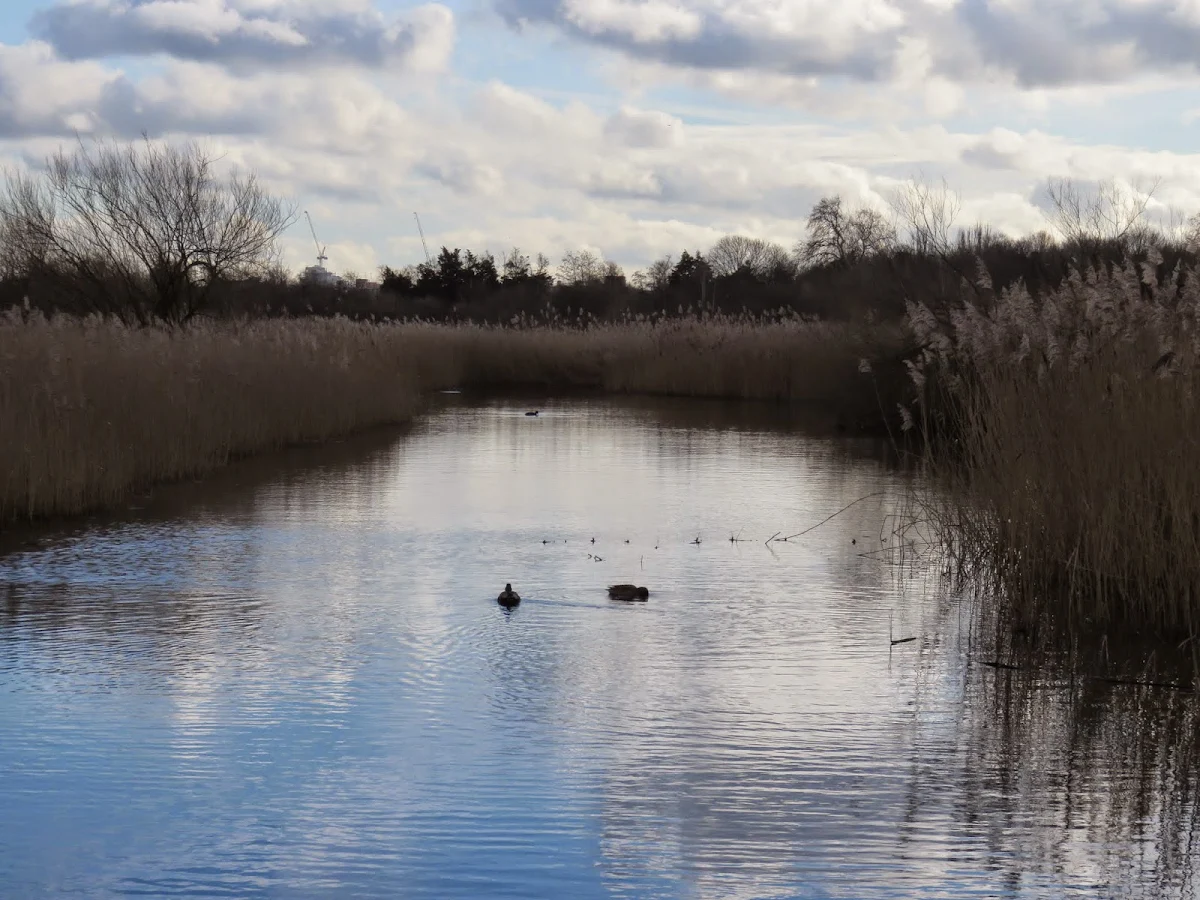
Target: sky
(630,128)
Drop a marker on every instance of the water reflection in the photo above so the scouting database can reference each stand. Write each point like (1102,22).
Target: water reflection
(1089,783)
(294,679)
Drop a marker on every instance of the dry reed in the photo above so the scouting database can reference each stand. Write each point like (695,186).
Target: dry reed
(734,357)
(1074,431)
(91,410)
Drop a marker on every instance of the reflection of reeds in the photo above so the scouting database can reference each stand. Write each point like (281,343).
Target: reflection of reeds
(1073,463)
(90,409)
(1084,780)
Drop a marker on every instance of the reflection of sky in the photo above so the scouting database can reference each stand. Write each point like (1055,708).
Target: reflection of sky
(294,680)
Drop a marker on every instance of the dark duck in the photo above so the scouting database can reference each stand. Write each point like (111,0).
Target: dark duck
(628,592)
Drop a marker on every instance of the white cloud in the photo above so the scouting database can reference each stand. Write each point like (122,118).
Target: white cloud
(653,198)
(365,141)
(251,35)
(42,95)
(644,128)
(1047,43)
(642,21)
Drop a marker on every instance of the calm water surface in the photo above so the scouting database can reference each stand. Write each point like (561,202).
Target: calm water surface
(293,680)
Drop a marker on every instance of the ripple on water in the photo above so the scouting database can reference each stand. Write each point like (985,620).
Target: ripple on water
(294,680)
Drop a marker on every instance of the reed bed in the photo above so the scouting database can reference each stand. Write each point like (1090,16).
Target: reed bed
(91,410)
(1070,439)
(733,357)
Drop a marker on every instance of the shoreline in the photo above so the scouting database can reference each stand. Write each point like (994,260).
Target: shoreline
(114,410)
(814,421)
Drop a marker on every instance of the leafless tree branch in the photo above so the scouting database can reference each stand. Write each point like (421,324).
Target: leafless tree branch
(141,231)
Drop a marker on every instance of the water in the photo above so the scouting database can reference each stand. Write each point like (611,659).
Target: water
(293,680)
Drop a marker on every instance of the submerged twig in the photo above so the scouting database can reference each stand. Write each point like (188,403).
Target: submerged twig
(838,513)
(894,640)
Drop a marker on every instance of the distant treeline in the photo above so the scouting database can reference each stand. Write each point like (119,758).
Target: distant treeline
(147,233)
(464,286)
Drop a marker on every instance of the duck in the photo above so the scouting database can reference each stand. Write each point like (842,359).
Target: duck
(628,592)
(533,412)
(508,597)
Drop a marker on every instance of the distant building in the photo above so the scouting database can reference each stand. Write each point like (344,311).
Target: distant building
(321,276)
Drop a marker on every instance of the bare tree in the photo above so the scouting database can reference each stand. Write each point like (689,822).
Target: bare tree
(580,267)
(838,237)
(734,252)
(140,231)
(1038,242)
(1190,236)
(928,212)
(870,232)
(979,237)
(1106,211)
(658,275)
(516,266)
(612,271)
(12,264)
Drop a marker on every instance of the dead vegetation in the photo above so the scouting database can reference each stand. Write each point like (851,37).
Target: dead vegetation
(1068,431)
(92,409)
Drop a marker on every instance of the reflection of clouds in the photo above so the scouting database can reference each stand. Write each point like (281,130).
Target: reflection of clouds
(595,466)
(738,714)
(325,686)
(739,759)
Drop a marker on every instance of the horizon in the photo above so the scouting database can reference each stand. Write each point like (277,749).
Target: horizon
(629,130)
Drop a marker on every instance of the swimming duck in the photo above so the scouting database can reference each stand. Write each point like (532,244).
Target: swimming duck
(629,592)
(533,412)
(508,597)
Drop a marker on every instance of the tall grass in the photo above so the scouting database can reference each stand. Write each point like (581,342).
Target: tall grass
(735,357)
(91,410)
(1070,435)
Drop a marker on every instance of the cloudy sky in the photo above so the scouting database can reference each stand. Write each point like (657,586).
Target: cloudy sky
(632,128)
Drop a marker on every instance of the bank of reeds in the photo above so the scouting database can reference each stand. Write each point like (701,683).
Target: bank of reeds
(722,356)
(91,410)
(1070,438)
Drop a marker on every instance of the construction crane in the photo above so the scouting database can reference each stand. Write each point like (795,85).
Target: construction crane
(424,246)
(318,274)
(321,257)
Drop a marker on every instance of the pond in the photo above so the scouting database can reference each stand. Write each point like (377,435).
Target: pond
(292,679)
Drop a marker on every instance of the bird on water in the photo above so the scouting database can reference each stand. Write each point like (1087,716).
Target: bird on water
(533,412)
(629,592)
(508,597)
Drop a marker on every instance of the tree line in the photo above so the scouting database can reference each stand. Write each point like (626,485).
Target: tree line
(147,232)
